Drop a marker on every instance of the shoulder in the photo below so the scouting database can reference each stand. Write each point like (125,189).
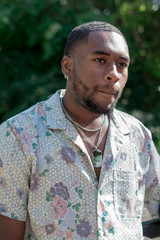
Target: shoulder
(35,112)
(22,127)
(30,116)
(24,118)
(26,126)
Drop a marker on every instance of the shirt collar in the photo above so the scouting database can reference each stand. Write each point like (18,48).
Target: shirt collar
(119,122)
(55,116)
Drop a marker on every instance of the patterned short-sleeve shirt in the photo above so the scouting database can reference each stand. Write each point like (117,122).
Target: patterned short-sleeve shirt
(47,178)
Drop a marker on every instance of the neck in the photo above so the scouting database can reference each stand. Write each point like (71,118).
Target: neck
(80,114)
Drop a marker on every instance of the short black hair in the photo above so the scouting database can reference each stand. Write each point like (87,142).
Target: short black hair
(81,32)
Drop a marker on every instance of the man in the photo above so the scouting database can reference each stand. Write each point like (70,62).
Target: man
(74,167)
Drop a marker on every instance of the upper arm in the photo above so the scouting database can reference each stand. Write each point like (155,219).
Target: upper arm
(152,191)
(11,229)
(14,185)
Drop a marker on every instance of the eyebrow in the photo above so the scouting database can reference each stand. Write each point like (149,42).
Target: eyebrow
(99,52)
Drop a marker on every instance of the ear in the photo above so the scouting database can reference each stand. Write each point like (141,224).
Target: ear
(66,66)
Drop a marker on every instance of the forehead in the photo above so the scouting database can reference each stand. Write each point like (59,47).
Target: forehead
(104,41)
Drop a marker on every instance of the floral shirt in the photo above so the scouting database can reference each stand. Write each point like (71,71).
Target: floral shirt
(47,178)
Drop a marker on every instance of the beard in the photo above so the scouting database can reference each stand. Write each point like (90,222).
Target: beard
(85,97)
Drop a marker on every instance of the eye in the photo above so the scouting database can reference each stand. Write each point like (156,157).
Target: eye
(123,64)
(100,60)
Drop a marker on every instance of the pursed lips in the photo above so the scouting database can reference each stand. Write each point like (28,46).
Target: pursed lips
(107,92)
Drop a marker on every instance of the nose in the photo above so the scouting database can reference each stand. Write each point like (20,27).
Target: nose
(111,74)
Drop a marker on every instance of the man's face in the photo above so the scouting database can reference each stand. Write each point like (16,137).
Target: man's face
(99,71)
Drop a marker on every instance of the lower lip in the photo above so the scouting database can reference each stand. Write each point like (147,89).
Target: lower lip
(107,93)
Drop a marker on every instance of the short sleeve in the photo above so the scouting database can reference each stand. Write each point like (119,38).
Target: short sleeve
(152,193)
(14,175)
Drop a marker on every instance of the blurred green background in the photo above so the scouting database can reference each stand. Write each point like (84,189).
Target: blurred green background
(32,38)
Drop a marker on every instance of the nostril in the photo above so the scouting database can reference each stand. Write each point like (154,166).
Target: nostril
(109,78)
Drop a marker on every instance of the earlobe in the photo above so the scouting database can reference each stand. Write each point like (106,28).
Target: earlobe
(66,66)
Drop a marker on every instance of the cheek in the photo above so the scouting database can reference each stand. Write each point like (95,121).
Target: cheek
(93,76)
(123,81)
(86,76)
(87,70)
(124,78)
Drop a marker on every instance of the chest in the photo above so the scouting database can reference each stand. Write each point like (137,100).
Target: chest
(97,172)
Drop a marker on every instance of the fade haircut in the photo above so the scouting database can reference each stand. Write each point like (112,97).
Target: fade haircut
(80,33)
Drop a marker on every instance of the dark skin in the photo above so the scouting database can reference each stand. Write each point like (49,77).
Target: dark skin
(101,68)
(11,229)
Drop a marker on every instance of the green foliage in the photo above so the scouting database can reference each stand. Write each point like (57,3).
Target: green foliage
(32,38)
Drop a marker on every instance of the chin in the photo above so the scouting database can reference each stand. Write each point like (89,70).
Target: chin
(99,109)
(106,109)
